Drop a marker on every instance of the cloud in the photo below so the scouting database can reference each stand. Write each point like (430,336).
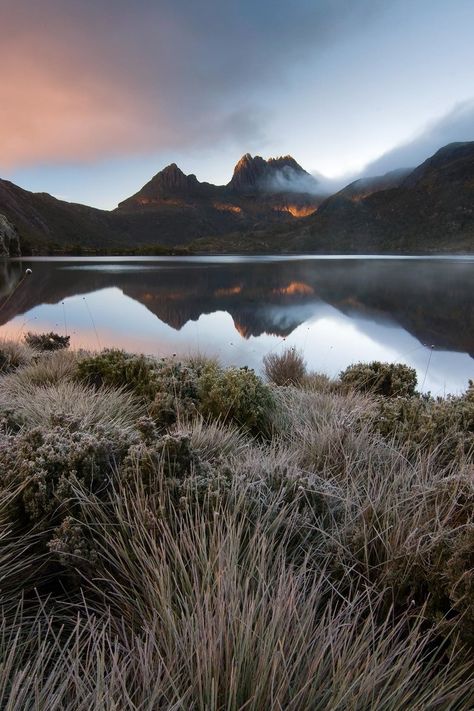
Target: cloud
(288,180)
(457,125)
(83,80)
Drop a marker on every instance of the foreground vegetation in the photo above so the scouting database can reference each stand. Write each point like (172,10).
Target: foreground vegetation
(175,535)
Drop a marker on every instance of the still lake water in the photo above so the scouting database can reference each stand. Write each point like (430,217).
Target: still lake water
(338,310)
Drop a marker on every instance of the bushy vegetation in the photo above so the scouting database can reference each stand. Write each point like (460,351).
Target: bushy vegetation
(179,535)
(388,379)
(47,341)
(173,389)
(235,395)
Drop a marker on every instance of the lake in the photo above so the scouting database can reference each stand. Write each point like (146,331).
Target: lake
(338,310)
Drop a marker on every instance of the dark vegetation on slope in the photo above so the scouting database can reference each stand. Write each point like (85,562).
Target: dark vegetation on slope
(179,535)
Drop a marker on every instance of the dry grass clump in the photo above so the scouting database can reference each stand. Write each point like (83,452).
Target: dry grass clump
(215,439)
(240,547)
(14,355)
(29,405)
(48,369)
(286,368)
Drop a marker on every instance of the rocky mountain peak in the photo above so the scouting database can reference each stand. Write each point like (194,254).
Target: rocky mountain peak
(249,173)
(168,183)
(255,174)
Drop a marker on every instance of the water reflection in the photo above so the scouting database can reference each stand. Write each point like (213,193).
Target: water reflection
(338,310)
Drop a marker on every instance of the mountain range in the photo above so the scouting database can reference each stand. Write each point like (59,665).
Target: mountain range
(269,205)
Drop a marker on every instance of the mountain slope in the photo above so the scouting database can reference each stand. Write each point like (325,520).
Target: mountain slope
(431,210)
(41,220)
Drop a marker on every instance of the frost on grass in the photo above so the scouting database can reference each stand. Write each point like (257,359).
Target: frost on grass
(180,535)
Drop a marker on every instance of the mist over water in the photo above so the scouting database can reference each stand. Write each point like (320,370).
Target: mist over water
(418,311)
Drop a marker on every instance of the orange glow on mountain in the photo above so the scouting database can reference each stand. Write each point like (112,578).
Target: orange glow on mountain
(228,292)
(300,210)
(296,288)
(225,207)
(296,210)
(242,330)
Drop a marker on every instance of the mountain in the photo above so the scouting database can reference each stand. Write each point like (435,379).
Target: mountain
(9,241)
(367,186)
(268,206)
(169,183)
(275,175)
(429,210)
(171,209)
(41,220)
(261,192)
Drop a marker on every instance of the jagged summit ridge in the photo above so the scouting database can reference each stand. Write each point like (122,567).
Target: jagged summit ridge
(282,174)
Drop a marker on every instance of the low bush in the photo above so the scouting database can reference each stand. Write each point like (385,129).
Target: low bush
(388,379)
(44,465)
(47,341)
(286,368)
(445,426)
(116,368)
(235,395)
(168,387)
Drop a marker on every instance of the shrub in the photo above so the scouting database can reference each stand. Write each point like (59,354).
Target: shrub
(168,386)
(235,394)
(176,393)
(388,379)
(47,341)
(46,465)
(287,368)
(445,426)
(116,368)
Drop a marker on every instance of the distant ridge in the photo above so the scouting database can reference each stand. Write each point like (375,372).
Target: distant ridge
(268,206)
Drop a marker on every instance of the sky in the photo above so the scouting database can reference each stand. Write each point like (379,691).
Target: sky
(96,96)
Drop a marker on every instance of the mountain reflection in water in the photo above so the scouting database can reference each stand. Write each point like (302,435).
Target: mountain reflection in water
(339,310)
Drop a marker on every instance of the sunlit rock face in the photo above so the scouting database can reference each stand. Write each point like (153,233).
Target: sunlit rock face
(9,242)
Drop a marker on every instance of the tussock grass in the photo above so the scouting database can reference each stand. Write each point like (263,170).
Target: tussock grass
(214,439)
(286,368)
(32,405)
(181,561)
(49,369)
(13,355)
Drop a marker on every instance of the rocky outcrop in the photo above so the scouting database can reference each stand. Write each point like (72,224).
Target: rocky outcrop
(275,175)
(9,240)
